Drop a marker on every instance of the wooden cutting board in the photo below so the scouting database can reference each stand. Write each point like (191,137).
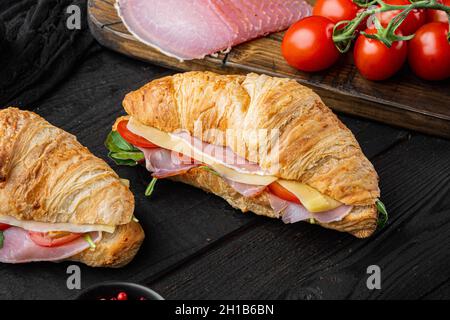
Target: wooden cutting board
(404,100)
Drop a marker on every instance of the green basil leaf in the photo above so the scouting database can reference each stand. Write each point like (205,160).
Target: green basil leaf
(129,163)
(2,238)
(88,239)
(122,162)
(126,155)
(151,187)
(115,143)
(383,218)
(121,151)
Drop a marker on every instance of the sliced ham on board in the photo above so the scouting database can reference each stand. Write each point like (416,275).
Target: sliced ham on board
(192,29)
(19,248)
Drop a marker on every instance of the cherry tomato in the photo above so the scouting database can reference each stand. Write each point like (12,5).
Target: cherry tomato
(415,19)
(308,44)
(278,190)
(438,15)
(3,226)
(429,52)
(374,60)
(122,296)
(53,239)
(132,138)
(363,25)
(335,10)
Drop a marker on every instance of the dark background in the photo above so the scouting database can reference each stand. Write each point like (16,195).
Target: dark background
(197,246)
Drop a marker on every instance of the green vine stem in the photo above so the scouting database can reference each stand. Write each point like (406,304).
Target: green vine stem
(346,31)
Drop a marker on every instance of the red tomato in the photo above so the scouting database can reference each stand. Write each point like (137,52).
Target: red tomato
(429,52)
(308,44)
(122,296)
(3,226)
(438,15)
(413,21)
(374,60)
(335,10)
(53,239)
(363,25)
(132,138)
(278,190)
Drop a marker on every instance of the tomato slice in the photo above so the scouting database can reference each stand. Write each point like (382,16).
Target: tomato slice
(53,239)
(132,138)
(3,226)
(281,192)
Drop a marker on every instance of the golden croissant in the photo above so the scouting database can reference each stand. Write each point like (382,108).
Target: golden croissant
(283,153)
(58,201)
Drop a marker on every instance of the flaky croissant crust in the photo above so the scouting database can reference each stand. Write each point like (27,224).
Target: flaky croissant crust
(315,148)
(47,175)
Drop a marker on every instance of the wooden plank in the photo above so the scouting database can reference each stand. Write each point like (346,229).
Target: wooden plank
(274,261)
(441,292)
(404,100)
(181,222)
(344,79)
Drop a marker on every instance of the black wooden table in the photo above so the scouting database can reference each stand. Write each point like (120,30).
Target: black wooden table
(198,247)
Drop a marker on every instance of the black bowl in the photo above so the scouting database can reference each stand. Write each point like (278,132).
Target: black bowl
(107,290)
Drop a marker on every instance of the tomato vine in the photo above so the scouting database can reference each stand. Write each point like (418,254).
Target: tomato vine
(345,32)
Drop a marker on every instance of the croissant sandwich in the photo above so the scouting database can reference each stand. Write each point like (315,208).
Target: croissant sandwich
(266,145)
(58,201)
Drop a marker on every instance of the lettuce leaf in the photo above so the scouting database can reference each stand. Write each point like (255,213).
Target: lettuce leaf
(383,217)
(2,238)
(122,152)
(89,240)
(150,187)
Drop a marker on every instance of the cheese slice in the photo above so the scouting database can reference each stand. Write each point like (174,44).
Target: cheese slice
(171,142)
(36,226)
(311,199)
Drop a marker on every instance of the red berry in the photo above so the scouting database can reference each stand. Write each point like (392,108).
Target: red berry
(122,296)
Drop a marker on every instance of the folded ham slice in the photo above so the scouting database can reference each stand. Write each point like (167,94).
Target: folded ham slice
(19,248)
(292,212)
(165,163)
(188,29)
(222,155)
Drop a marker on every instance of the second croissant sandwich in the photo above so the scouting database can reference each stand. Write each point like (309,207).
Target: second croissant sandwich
(58,201)
(264,144)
